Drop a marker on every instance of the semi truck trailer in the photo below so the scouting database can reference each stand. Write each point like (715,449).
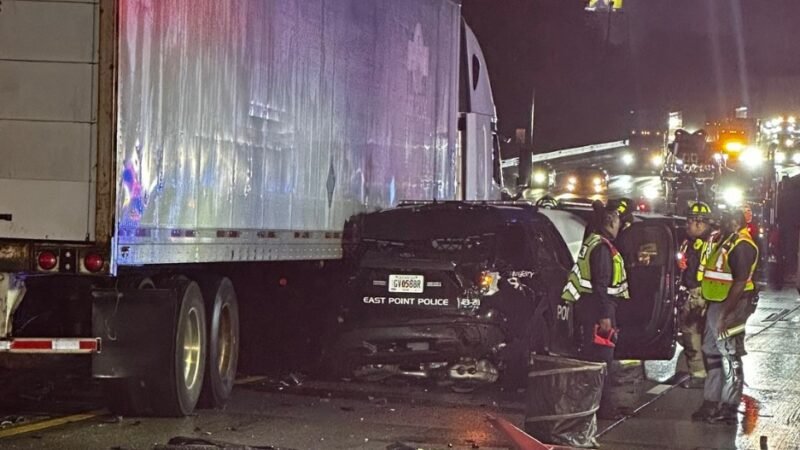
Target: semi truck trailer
(145,144)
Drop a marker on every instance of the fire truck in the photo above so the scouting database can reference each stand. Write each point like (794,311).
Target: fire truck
(691,170)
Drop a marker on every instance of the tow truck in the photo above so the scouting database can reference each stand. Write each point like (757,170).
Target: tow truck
(690,170)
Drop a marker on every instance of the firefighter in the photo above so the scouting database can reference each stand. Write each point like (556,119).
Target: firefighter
(730,292)
(598,278)
(691,306)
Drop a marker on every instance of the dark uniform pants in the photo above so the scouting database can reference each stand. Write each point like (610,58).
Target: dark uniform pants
(588,315)
(723,358)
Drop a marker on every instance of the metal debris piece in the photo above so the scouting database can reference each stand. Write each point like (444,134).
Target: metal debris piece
(399,446)
(378,401)
(193,443)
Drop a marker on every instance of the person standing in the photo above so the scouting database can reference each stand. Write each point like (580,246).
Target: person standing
(691,306)
(729,289)
(599,281)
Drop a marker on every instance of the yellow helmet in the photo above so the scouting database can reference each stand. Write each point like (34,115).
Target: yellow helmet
(700,210)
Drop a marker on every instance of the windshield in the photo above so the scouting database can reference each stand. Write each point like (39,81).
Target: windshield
(505,245)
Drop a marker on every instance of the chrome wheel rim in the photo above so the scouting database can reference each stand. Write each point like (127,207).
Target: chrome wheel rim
(192,348)
(225,342)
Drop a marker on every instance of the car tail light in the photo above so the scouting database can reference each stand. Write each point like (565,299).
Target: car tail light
(487,282)
(93,262)
(47,260)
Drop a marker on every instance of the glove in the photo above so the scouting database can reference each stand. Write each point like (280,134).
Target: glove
(696,300)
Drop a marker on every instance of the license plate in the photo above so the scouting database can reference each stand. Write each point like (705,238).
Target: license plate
(418,346)
(406,283)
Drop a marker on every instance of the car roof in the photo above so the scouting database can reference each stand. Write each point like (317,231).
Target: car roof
(571,221)
(415,220)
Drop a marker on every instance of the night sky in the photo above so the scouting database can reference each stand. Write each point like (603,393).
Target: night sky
(704,57)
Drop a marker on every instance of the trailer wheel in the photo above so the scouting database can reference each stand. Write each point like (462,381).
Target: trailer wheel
(178,386)
(222,309)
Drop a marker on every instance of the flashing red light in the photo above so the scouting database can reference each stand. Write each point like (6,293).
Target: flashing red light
(47,260)
(283,282)
(93,262)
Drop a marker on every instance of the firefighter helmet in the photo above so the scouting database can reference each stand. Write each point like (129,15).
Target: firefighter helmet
(701,211)
(547,202)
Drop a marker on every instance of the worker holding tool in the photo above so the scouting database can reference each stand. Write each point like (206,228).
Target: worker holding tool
(691,307)
(599,280)
(731,294)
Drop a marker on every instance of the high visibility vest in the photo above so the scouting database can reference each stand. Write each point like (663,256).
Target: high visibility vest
(703,247)
(580,277)
(718,277)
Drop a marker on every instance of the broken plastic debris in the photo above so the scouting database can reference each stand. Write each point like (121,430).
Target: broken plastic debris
(379,401)
(400,446)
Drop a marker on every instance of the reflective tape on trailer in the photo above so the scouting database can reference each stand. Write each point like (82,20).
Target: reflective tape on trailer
(50,345)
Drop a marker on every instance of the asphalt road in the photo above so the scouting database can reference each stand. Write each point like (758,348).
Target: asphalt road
(61,410)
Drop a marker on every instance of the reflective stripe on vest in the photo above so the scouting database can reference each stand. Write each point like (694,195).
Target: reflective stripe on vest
(580,277)
(718,277)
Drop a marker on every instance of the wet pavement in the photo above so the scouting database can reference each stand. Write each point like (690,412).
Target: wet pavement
(771,411)
(268,413)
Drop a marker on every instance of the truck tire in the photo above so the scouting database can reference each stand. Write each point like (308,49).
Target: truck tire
(178,386)
(222,310)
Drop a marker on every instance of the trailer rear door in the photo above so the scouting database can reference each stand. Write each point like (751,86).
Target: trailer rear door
(48,98)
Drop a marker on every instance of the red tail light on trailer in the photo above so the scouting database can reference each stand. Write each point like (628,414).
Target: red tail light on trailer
(47,260)
(93,262)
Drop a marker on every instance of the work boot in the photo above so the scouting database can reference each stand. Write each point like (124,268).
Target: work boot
(725,414)
(694,383)
(707,409)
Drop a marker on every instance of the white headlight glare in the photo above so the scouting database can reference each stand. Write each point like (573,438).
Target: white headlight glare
(657,160)
(796,158)
(539,178)
(780,157)
(627,159)
(733,196)
(752,157)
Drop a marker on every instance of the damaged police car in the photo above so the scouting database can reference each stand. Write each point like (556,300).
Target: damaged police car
(463,292)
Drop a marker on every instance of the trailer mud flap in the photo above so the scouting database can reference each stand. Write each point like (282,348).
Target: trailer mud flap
(137,330)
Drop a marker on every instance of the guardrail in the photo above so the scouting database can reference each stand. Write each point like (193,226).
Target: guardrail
(567,153)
